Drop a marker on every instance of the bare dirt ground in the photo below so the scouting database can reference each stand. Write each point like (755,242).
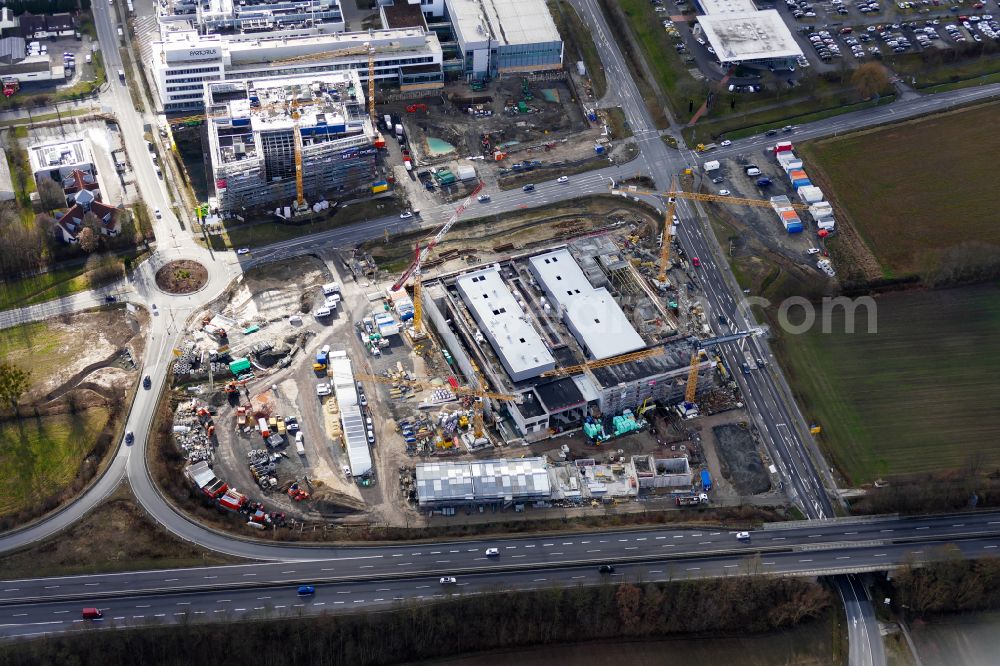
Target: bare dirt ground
(75,348)
(181,277)
(740,460)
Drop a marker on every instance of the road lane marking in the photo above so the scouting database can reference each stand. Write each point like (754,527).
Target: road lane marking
(517,556)
(923,528)
(879,555)
(404,564)
(694,568)
(844,557)
(256,574)
(594,550)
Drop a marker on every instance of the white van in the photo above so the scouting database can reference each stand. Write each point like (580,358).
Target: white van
(331,288)
(299,448)
(322,312)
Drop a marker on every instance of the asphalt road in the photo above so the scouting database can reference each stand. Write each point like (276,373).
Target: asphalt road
(280,599)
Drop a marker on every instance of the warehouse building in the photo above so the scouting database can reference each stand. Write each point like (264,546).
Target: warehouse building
(741,35)
(254,128)
(499,483)
(504,323)
(544,317)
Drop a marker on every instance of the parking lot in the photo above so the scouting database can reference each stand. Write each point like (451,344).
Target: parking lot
(835,33)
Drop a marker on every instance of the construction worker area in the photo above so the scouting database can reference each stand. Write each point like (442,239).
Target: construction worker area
(560,375)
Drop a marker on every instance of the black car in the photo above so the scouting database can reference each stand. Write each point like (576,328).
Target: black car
(109,299)
(771,132)
(146,382)
(129,437)
(606,569)
(528,188)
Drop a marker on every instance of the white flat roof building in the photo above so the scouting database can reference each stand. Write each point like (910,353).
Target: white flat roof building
(593,315)
(750,36)
(351,420)
(183,59)
(58,159)
(498,36)
(505,324)
(716,7)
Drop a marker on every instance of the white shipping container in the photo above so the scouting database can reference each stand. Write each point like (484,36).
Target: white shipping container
(810,194)
(581,68)
(466,172)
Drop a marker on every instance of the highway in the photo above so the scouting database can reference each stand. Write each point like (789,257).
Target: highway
(315,564)
(279,598)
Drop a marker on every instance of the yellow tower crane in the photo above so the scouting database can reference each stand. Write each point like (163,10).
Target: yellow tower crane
(604,362)
(421,254)
(672,196)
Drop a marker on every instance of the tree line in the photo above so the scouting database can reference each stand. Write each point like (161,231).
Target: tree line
(951,585)
(408,633)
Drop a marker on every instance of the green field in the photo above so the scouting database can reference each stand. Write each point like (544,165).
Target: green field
(41,456)
(920,395)
(923,194)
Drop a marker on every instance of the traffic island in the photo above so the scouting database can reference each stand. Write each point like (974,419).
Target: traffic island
(181,277)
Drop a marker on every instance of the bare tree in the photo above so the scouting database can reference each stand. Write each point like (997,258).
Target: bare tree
(870,79)
(51,194)
(87,239)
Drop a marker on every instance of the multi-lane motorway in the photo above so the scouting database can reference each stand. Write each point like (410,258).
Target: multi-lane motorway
(347,579)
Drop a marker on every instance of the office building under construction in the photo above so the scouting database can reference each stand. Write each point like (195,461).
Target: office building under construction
(571,330)
(256,127)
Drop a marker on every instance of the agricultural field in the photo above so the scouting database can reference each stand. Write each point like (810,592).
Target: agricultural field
(41,456)
(922,194)
(918,396)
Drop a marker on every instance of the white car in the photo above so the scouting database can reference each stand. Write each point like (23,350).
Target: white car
(405,215)
(812,250)
(322,389)
(243,250)
(725,143)
(724,193)
(562,179)
(347,471)
(448,580)
(492,552)
(743,536)
(156,212)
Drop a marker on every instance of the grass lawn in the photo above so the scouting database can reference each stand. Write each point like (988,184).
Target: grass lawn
(116,536)
(265,233)
(916,190)
(40,456)
(45,287)
(917,396)
(618,124)
(35,341)
(579,44)
(967,71)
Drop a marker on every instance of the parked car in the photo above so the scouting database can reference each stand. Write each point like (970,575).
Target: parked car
(322,389)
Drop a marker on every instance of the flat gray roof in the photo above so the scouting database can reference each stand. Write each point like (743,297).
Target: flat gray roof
(714,7)
(482,481)
(504,323)
(593,315)
(738,37)
(510,21)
